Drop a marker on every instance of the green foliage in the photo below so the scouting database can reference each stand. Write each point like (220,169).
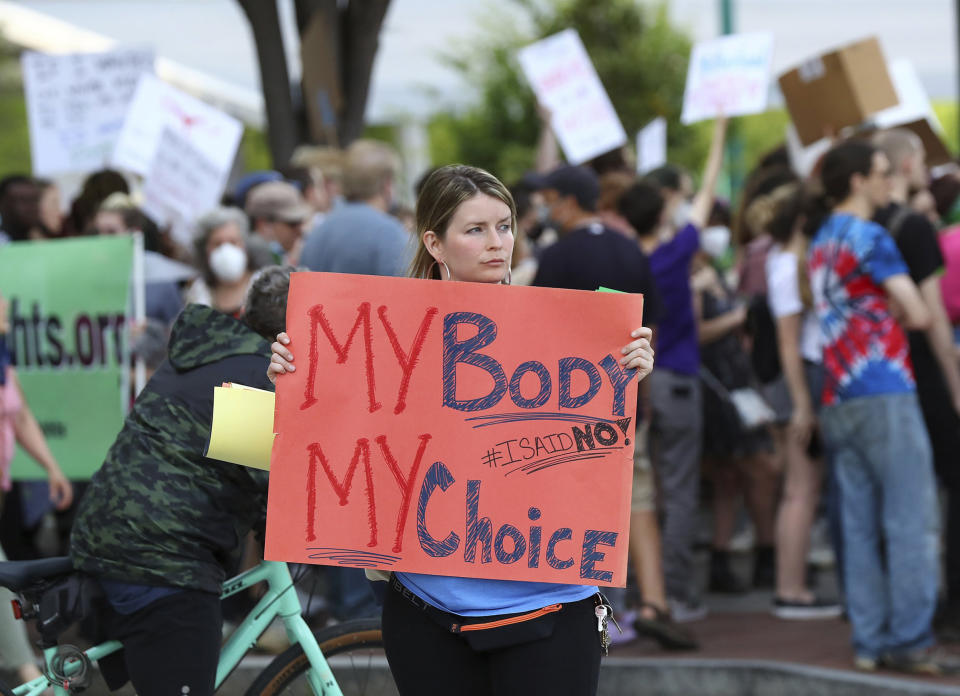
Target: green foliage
(14,134)
(385,132)
(640,58)
(947,112)
(254,150)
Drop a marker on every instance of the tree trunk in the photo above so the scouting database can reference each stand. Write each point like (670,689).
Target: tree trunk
(282,132)
(360,38)
(354,34)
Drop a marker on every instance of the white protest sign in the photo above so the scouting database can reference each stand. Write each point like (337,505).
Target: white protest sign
(76,104)
(565,82)
(914,103)
(156,106)
(729,76)
(652,146)
(181,183)
(803,158)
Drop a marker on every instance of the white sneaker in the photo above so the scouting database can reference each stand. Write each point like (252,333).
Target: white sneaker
(821,550)
(687,611)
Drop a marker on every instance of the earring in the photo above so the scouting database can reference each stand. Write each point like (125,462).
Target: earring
(446,268)
(508,277)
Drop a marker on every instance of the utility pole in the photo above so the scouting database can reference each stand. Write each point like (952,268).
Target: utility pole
(734,147)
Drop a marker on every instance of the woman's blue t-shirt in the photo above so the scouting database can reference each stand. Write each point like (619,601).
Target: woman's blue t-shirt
(480,597)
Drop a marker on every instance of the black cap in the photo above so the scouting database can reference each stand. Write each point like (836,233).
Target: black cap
(579,182)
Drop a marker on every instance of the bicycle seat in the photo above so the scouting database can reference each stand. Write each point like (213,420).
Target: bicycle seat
(19,575)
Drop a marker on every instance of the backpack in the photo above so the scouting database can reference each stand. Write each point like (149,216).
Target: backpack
(762,329)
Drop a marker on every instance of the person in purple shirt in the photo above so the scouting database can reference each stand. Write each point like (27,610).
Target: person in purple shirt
(675,400)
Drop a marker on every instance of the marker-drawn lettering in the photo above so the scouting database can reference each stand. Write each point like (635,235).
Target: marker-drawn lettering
(591,539)
(438,476)
(478,530)
(567,368)
(404,482)
(465,351)
(342,488)
(318,318)
(407,360)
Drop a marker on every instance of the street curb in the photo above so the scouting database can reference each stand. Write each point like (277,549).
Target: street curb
(620,676)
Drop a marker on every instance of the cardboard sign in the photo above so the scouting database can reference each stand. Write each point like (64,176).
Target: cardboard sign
(838,89)
(181,184)
(76,104)
(803,158)
(565,82)
(728,76)
(652,146)
(914,112)
(156,106)
(458,429)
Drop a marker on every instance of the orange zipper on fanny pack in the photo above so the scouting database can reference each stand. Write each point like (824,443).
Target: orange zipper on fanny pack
(507,622)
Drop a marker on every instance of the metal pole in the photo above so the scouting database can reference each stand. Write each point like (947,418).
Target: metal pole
(726,16)
(734,147)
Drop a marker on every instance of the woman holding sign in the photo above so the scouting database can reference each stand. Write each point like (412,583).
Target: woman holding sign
(524,637)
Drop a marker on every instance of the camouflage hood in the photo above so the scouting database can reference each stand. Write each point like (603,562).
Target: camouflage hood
(202,335)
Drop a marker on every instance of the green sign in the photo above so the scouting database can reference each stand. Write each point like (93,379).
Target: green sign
(67,339)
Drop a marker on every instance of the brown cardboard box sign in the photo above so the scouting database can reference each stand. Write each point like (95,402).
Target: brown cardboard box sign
(837,89)
(935,149)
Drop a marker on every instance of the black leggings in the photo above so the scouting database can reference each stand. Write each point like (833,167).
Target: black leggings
(425,658)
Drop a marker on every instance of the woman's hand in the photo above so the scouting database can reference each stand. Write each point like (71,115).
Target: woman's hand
(638,354)
(281,359)
(61,491)
(4,308)
(802,423)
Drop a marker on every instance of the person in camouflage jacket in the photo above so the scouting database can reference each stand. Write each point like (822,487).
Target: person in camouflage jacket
(161,525)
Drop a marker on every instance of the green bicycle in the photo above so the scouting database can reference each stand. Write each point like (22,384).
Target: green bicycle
(342,660)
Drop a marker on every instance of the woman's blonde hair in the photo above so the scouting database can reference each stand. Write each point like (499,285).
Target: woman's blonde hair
(442,193)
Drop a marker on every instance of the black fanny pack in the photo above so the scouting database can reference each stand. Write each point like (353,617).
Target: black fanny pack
(489,632)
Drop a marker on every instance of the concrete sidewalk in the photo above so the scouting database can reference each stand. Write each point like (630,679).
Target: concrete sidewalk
(744,649)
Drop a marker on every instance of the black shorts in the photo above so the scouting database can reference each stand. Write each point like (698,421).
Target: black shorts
(171,646)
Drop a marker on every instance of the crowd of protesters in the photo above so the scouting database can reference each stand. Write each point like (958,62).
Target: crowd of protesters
(807,362)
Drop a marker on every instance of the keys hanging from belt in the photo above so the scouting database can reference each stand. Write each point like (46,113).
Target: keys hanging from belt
(604,612)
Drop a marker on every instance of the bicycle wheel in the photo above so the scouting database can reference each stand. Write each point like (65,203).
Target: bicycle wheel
(354,651)
(4,689)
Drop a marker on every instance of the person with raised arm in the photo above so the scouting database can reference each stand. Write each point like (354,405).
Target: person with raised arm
(675,400)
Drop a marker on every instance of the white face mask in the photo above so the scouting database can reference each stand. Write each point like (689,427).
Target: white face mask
(715,240)
(681,214)
(228,262)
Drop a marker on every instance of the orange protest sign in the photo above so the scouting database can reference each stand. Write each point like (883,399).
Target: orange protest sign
(455,429)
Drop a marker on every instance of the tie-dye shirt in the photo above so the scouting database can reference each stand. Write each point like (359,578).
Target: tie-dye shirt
(865,350)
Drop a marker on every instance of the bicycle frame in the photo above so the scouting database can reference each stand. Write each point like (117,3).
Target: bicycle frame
(280,600)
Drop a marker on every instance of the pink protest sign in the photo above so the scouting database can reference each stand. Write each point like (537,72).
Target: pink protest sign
(455,429)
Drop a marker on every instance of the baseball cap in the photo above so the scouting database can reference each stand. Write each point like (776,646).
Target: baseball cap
(277,200)
(248,181)
(567,180)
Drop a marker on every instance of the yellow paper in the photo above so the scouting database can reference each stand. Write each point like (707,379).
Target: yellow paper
(242,430)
